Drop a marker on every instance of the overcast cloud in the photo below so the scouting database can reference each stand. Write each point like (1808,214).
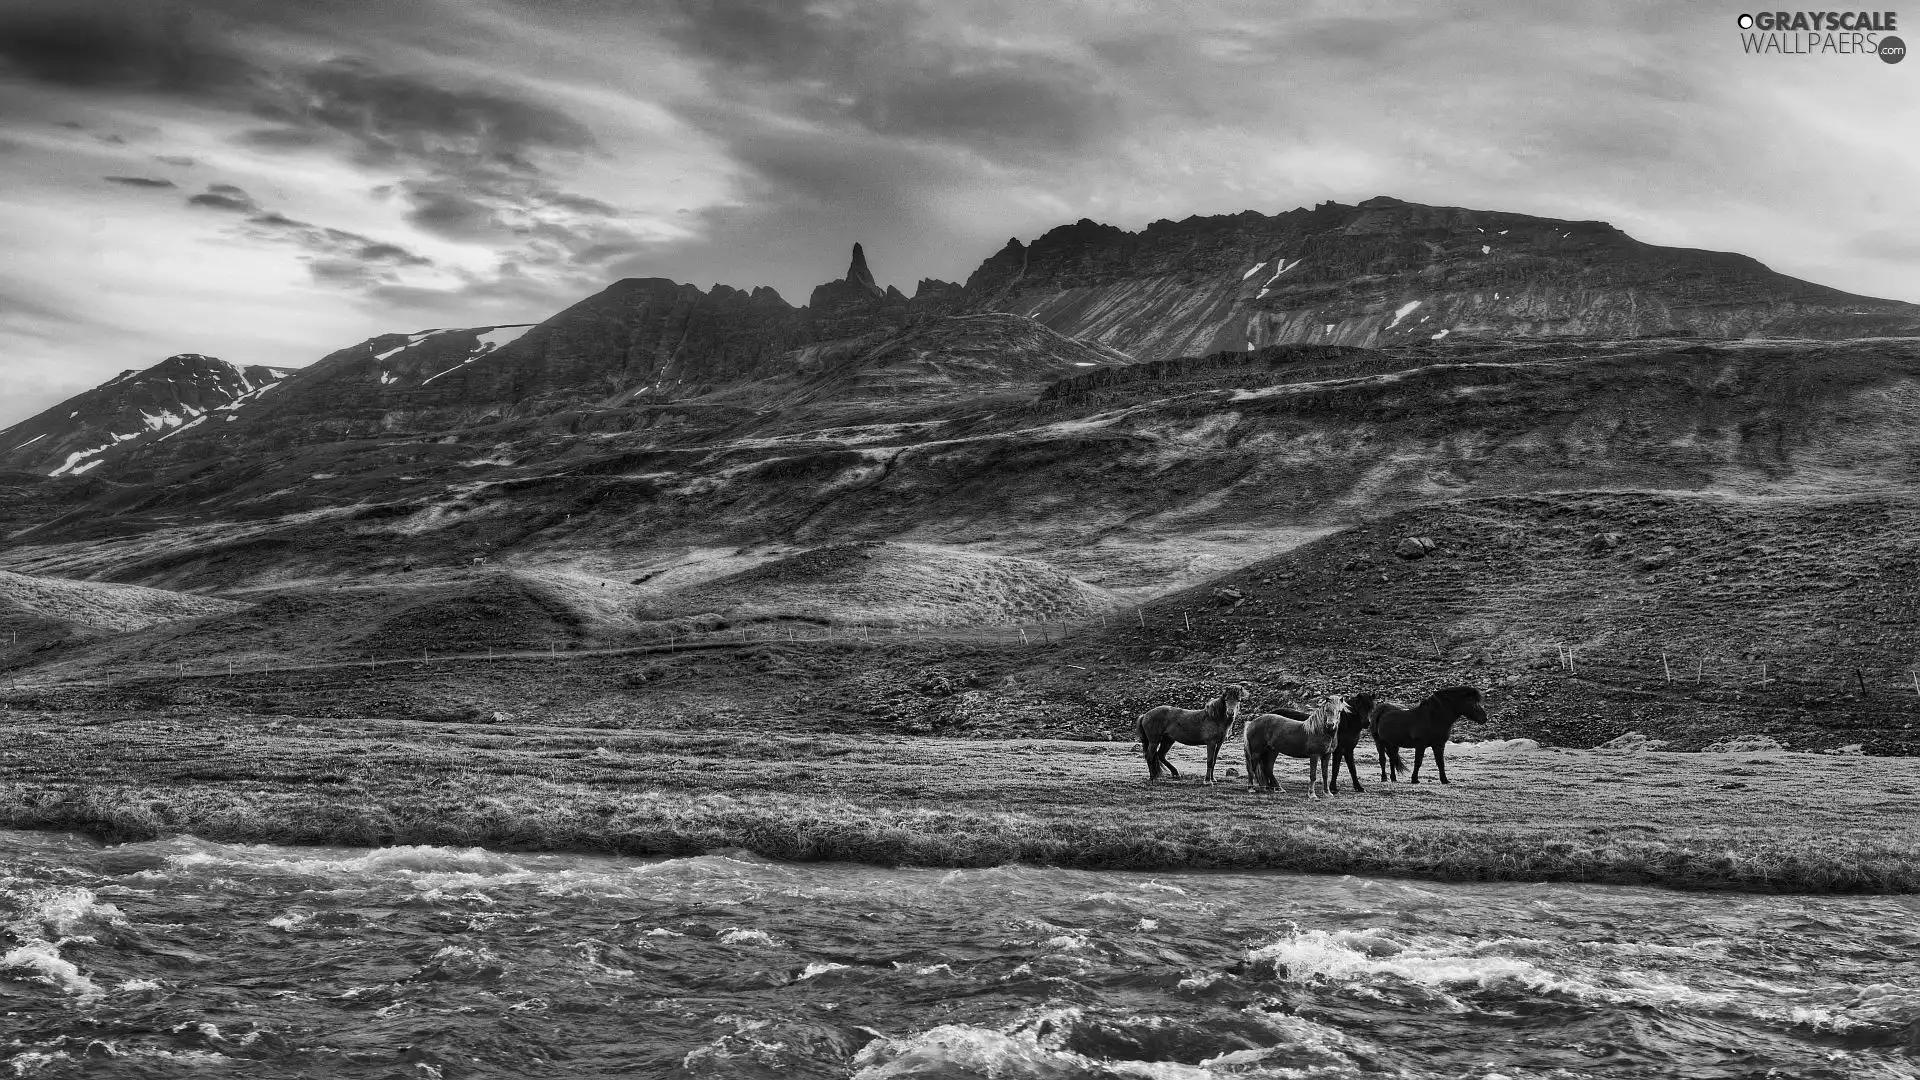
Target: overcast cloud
(271,180)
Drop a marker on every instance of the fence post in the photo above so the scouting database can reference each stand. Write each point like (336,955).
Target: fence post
(1666,666)
(1142,616)
(1187,617)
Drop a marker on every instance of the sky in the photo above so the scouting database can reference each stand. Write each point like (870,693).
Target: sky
(268,181)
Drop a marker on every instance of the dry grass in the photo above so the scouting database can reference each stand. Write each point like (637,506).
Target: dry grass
(897,584)
(1787,822)
(101,605)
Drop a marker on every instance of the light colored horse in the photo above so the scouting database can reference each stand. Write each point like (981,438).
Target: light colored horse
(1316,738)
(1161,727)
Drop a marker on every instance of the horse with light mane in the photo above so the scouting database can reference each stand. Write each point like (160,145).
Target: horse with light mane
(1353,724)
(1427,724)
(1313,735)
(1161,727)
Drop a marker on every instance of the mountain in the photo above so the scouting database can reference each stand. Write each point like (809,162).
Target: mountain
(1092,420)
(653,353)
(1390,272)
(132,409)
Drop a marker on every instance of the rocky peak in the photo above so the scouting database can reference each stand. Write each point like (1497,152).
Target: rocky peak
(857,272)
(855,304)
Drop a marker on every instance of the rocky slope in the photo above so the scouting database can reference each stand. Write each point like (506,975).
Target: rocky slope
(1390,272)
(131,410)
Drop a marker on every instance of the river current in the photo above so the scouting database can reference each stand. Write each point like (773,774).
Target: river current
(188,958)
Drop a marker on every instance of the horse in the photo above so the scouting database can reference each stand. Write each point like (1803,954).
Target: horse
(1424,725)
(1313,737)
(1290,739)
(1161,727)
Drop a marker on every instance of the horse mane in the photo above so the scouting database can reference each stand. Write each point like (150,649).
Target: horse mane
(1471,693)
(1324,721)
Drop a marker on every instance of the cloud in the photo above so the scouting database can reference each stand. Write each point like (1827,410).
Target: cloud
(448,212)
(336,258)
(224,197)
(400,116)
(139,181)
(159,48)
(904,71)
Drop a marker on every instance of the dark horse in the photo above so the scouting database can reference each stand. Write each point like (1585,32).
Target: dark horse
(1289,740)
(1160,728)
(1425,725)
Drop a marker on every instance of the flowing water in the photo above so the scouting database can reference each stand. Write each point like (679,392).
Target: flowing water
(186,958)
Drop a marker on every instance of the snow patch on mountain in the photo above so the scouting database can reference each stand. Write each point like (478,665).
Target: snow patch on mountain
(412,340)
(1402,312)
(188,426)
(488,342)
(1282,267)
(501,336)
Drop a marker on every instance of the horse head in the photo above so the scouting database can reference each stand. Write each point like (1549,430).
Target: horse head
(1359,712)
(1463,701)
(1231,697)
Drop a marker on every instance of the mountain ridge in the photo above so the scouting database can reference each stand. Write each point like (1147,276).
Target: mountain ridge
(1383,272)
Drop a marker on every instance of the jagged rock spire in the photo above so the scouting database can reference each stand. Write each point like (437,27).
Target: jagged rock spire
(858,272)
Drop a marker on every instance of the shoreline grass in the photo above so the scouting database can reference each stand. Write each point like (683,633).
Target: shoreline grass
(1764,822)
(801,830)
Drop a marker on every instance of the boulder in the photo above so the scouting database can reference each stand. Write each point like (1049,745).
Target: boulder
(1601,543)
(1633,742)
(1414,547)
(1656,560)
(1744,744)
(1494,746)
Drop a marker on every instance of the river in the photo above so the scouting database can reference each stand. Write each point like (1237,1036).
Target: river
(188,958)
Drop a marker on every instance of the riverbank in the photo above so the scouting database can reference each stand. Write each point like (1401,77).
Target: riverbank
(1775,821)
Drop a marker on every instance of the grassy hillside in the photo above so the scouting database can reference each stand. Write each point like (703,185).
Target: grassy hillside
(1687,617)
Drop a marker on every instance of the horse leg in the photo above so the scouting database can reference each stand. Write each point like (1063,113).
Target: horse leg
(1440,761)
(1252,762)
(1213,752)
(1328,769)
(1419,755)
(1153,759)
(1166,745)
(1353,772)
